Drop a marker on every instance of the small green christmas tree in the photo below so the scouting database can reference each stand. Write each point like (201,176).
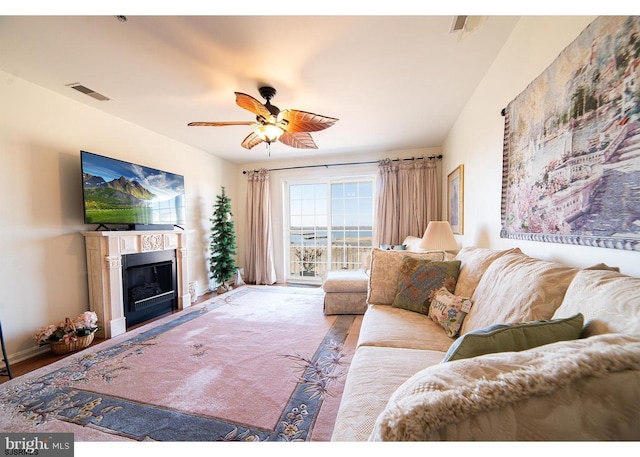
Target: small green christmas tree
(223,241)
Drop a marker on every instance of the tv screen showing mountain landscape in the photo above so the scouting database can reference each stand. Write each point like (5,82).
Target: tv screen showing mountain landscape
(119,192)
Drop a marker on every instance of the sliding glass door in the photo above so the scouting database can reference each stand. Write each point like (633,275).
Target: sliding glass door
(308,229)
(330,227)
(351,223)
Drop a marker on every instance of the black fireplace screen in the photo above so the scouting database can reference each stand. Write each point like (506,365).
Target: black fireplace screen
(149,285)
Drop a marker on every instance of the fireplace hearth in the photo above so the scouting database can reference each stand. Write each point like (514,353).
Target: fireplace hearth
(134,276)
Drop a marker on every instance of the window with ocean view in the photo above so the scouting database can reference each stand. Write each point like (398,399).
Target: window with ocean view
(330,226)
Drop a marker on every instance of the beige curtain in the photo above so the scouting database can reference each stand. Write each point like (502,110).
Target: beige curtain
(259,267)
(407,199)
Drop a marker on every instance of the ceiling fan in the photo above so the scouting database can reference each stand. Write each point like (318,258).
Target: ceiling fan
(288,126)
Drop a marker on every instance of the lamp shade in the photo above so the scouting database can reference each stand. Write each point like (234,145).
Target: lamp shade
(439,237)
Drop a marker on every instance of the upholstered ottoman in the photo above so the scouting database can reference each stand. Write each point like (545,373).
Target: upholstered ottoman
(345,292)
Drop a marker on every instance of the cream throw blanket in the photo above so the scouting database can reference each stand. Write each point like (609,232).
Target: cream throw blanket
(562,391)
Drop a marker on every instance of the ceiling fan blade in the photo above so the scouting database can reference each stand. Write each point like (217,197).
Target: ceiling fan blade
(299,140)
(294,121)
(251,140)
(251,104)
(219,124)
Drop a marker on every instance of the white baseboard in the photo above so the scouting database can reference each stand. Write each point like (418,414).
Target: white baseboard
(26,354)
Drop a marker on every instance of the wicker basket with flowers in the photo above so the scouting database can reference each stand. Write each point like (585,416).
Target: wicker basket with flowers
(69,335)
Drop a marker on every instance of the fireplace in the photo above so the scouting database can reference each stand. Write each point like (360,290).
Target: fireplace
(148,285)
(135,275)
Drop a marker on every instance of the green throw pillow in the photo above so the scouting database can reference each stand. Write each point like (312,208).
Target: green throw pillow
(420,279)
(514,337)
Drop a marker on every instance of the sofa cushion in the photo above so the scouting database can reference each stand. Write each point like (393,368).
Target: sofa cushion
(420,279)
(517,288)
(514,337)
(585,389)
(449,310)
(374,374)
(385,269)
(342,281)
(384,325)
(475,262)
(610,302)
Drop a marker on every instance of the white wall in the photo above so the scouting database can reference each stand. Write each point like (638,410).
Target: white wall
(476,142)
(43,274)
(278,178)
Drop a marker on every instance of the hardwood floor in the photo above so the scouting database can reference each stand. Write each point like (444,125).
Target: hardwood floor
(26,366)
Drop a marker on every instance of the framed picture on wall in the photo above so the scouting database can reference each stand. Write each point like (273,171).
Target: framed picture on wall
(455,199)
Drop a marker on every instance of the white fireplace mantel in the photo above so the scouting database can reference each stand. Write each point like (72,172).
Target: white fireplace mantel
(104,267)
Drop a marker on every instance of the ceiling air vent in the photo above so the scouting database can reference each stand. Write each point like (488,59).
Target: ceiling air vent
(458,23)
(91,93)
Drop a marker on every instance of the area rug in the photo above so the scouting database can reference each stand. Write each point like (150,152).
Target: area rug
(259,363)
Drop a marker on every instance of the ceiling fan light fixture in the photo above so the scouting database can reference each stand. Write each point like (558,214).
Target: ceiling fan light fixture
(269,133)
(291,127)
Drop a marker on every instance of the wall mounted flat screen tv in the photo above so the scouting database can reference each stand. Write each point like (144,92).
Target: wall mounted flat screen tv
(123,193)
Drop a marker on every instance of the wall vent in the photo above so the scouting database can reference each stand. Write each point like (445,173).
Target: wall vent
(90,92)
(458,23)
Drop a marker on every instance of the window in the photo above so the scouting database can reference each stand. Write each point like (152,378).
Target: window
(330,227)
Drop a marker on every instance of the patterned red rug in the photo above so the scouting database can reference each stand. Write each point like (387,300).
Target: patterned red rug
(260,363)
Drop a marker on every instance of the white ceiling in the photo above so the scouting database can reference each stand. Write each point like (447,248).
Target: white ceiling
(395,82)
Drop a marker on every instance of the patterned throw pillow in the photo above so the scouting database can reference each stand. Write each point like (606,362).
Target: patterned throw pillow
(420,279)
(449,310)
(385,270)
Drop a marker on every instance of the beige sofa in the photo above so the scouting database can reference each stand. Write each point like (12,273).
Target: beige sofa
(584,387)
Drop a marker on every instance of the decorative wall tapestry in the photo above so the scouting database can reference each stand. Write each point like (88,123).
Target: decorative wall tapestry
(571,167)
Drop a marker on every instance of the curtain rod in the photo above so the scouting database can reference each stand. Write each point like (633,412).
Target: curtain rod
(342,164)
